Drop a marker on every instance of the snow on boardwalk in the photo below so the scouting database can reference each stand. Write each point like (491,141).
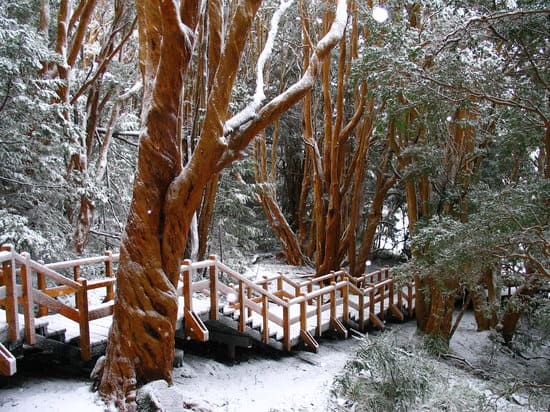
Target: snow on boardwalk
(276,309)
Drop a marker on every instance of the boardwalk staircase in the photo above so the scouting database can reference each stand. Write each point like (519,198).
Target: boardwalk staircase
(67,307)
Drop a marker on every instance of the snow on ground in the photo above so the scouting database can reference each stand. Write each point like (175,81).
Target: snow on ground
(48,394)
(300,382)
(263,381)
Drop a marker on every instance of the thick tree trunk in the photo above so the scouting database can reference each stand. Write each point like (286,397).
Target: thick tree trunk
(141,339)
(281,228)
(84,223)
(442,302)
(385,180)
(206,213)
(485,303)
(479,302)
(515,309)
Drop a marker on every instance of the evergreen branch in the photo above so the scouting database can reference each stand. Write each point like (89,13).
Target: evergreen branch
(487,19)
(116,236)
(484,96)
(18,182)
(118,135)
(533,65)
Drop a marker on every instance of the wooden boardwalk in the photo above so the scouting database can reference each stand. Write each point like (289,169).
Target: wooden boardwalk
(69,305)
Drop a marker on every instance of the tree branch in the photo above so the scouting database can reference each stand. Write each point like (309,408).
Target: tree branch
(249,112)
(277,106)
(493,99)
(104,64)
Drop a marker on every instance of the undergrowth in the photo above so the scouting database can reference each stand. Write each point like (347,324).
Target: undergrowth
(386,377)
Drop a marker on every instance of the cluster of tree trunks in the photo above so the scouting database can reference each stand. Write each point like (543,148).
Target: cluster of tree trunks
(87,163)
(326,216)
(167,192)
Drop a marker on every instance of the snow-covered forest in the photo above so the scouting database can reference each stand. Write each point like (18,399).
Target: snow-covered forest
(327,134)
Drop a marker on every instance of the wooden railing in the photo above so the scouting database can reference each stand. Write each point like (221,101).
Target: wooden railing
(291,310)
(41,284)
(283,303)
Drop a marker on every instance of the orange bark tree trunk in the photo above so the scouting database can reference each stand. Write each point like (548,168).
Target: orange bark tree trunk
(442,294)
(166,194)
(141,337)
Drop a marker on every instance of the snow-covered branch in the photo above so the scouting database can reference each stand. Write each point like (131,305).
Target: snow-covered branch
(271,111)
(132,91)
(487,19)
(250,110)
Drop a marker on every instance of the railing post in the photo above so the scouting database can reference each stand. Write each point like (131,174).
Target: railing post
(213,288)
(286,327)
(345,296)
(9,272)
(41,284)
(28,301)
(371,301)
(303,316)
(76,276)
(318,330)
(382,298)
(265,330)
(309,290)
(82,294)
(391,292)
(249,297)
(110,295)
(242,307)
(333,300)
(279,282)
(187,283)
(410,299)
(362,311)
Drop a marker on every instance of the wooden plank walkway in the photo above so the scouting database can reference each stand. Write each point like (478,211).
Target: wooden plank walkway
(276,310)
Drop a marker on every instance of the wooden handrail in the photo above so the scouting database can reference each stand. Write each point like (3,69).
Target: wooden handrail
(196,265)
(5,255)
(313,296)
(53,275)
(255,287)
(66,264)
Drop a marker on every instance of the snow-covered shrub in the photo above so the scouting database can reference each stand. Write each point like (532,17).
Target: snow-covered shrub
(383,376)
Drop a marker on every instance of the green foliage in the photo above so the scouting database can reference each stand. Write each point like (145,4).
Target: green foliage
(239,227)
(534,329)
(32,154)
(501,226)
(15,230)
(435,345)
(386,377)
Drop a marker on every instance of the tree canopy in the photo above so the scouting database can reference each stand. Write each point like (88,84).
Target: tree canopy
(305,126)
